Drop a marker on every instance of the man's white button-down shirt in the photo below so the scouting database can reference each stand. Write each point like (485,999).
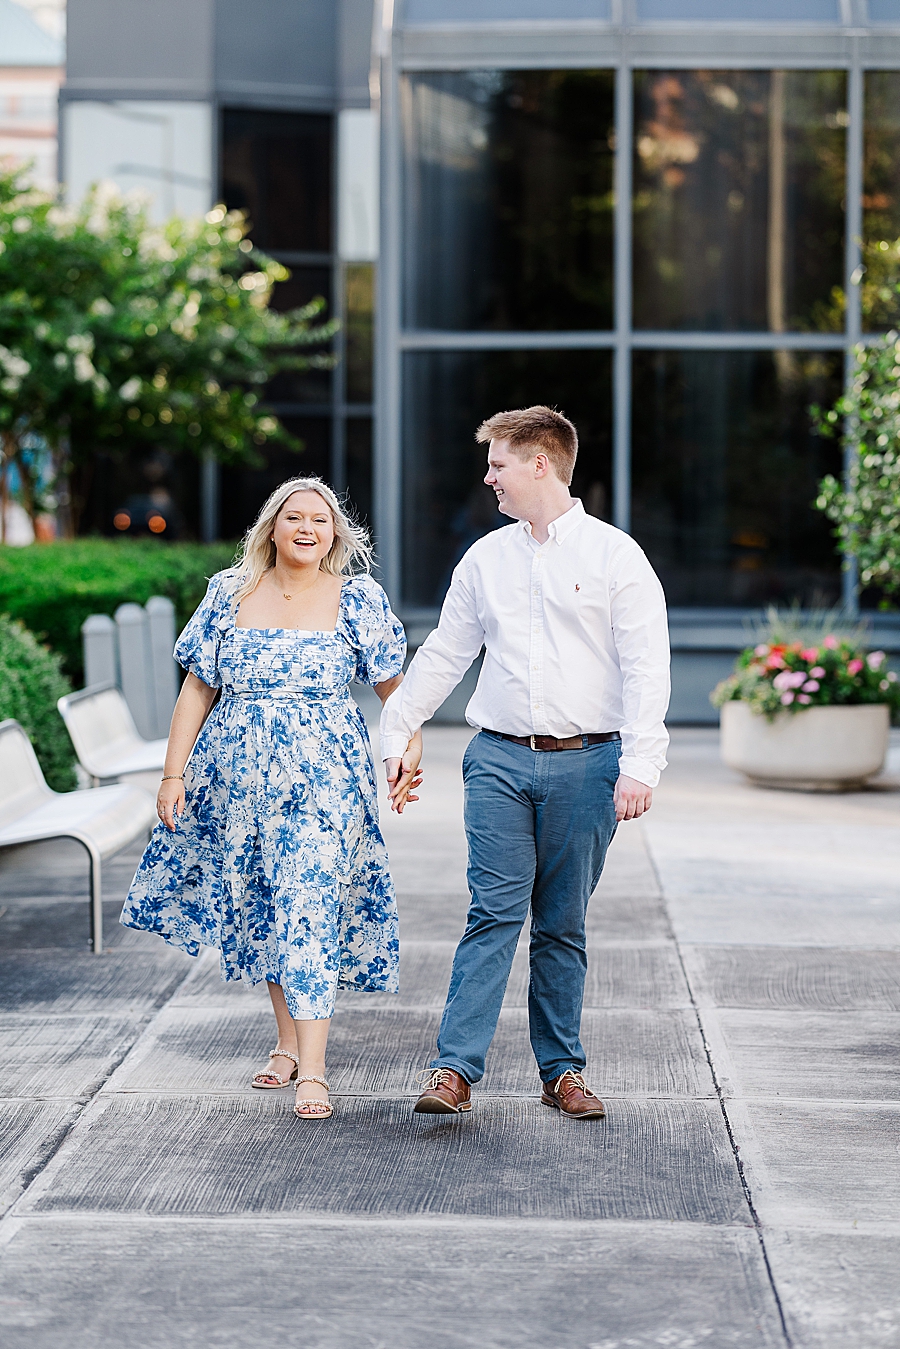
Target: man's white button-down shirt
(575,636)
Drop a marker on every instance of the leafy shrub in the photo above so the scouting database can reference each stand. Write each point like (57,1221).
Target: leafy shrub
(30,683)
(866,508)
(53,587)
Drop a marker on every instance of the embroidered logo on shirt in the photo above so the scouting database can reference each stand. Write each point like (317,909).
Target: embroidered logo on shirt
(578,587)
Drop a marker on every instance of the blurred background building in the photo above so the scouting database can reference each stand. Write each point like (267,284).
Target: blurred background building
(644,212)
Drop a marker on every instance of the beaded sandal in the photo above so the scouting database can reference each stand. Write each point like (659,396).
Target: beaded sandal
(324,1111)
(279,1082)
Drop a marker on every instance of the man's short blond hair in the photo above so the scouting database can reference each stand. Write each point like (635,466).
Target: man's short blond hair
(531,431)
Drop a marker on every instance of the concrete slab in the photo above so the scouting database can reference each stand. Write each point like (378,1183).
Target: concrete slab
(824,1164)
(61,1056)
(817,1056)
(66,981)
(443,1283)
(815,978)
(651,1159)
(208,1050)
(30,1132)
(838,1288)
(58,869)
(41,923)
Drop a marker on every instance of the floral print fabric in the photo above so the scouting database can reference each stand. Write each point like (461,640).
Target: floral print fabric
(278,859)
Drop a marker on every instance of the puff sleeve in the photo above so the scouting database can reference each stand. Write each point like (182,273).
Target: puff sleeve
(197,649)
(375,632)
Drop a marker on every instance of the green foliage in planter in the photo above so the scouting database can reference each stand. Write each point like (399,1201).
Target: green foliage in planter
(30,683)
(782,676)
(53,587)
(866,509)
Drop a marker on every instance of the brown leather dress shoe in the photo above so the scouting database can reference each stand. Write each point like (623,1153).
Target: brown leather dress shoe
(447,1093)
(571,1094)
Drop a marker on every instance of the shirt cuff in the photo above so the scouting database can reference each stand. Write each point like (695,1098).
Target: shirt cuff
(393,746)
(639,769)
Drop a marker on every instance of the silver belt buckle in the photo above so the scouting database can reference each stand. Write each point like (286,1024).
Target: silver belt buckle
(533,745)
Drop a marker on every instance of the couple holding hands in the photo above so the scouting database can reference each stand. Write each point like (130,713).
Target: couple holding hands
(269,847)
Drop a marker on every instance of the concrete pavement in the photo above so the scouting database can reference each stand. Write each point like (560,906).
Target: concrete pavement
(741,1021)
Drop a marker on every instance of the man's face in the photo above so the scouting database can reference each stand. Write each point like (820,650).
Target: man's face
(513,480)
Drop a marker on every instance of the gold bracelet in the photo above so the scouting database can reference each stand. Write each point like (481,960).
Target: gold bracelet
(173,777)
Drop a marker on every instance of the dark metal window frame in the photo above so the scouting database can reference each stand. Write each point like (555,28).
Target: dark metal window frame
(600,46)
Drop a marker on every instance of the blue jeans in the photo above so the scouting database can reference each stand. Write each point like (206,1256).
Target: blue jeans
(538,826)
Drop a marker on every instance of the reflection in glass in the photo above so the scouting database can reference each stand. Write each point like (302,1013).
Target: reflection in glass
(446,506)
(245,487)
(276,166)
(881,199)
(725,469)
(359,298)
(738,199)
(508,199)
(358,448)
(302,386)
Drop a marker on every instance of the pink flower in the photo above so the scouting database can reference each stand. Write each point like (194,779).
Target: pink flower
(830,642)
(803,698)
(775,662)
(875,660)
(817,672)
(811,653)
(854,667)
(811,686)
(761,650)
(787,698)
(789,679)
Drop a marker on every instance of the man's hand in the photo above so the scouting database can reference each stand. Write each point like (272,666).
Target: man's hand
(632,799)
(404,775)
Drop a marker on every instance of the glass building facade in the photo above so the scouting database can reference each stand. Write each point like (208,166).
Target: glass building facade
(647,215)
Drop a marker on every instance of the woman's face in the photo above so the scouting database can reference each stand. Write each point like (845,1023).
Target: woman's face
(304,530)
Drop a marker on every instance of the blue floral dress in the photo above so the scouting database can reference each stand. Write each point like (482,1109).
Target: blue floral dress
(278,858)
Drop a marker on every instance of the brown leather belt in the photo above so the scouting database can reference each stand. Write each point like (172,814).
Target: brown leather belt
(550,742)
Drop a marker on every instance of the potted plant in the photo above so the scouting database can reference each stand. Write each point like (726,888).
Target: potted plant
(809,715)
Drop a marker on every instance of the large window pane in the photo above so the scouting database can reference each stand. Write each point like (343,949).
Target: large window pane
(508,199)
(276,166)
(738,199)
(446,506)
(244,488)
(881,195)
(725,469)
(359,317)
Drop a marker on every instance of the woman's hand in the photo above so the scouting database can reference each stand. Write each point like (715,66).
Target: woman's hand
(170,801)
(404,775)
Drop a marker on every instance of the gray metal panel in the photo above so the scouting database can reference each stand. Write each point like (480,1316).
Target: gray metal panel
(290,52)
(766,11)
(354,52)
(585,45)
(132,45)
(487,11)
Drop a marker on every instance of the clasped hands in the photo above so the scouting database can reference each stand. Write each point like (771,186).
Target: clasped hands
(404,775)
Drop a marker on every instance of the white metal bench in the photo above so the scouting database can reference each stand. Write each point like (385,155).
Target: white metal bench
(103,820)
(105,737)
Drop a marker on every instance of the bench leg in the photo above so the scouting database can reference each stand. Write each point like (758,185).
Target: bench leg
(96,903)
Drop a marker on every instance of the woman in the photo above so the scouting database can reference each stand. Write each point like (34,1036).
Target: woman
(269,847)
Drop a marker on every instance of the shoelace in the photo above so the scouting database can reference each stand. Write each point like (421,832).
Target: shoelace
(434,1077)
(577,1078)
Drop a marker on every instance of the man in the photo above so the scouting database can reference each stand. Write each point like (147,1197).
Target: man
(571,700)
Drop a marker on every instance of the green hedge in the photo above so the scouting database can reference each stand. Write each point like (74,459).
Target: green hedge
(30,683)
(53,587)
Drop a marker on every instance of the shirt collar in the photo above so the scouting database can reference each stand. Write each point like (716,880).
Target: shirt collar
(560,528)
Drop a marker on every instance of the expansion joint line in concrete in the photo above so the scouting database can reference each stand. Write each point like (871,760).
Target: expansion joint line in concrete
(720,1096)
(32,1175)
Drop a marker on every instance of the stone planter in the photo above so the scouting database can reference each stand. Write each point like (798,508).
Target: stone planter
(824,749)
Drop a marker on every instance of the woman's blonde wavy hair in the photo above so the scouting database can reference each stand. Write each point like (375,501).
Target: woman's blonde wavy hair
(351,551)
